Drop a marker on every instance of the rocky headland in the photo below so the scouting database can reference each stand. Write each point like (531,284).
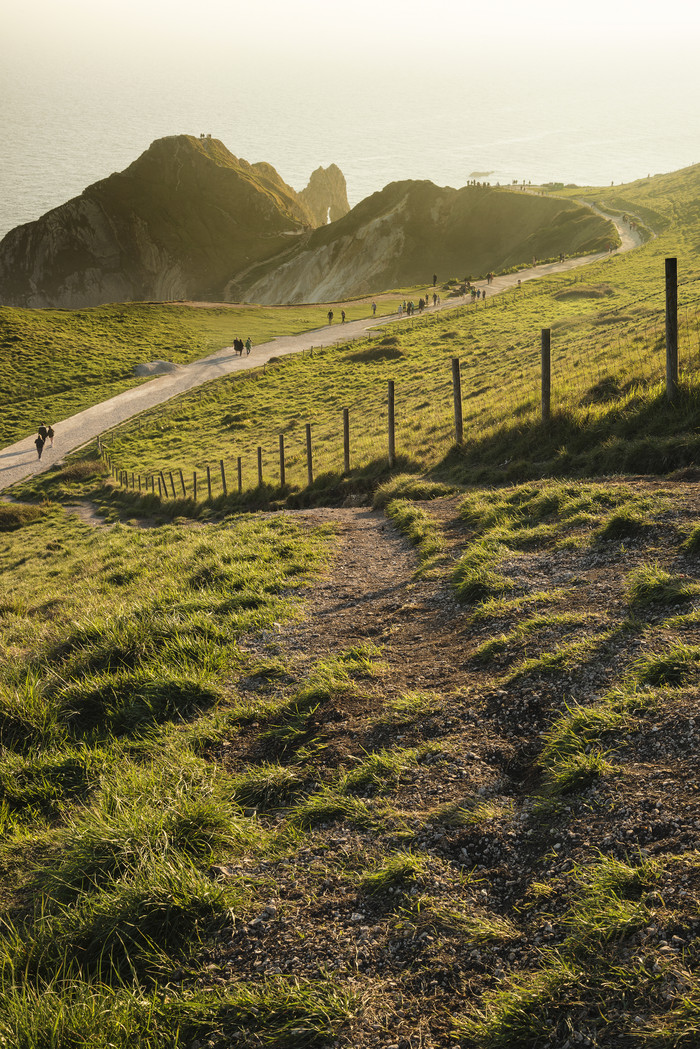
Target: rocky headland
(189,220)
(179,223)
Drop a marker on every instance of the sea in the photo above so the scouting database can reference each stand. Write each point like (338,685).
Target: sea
(598,121)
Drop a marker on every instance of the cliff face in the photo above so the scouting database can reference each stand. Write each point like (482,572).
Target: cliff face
(410,230)
(180,222)
(326,195)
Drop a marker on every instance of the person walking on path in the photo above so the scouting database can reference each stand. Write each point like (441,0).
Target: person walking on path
(50,434)
(39,443)
(374,309)
(342,316)
(43,433)
(330,316)
(248,346)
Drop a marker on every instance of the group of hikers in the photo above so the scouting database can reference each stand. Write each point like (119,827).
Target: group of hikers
(44,433)
(239,346)
(409,308)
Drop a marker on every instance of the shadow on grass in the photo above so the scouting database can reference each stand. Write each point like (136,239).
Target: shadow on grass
(645,435)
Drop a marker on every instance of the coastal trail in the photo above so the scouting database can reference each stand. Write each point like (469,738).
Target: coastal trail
(19,460)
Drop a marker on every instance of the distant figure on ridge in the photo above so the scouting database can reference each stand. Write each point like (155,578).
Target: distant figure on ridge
(434,279)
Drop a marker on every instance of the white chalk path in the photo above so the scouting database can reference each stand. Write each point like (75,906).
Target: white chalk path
(19,460)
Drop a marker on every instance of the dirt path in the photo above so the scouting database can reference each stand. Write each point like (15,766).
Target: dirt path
(19,460)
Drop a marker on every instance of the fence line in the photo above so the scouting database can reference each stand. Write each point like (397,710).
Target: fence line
(677,331)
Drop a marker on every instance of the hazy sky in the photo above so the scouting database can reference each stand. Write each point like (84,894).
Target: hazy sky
(308,29)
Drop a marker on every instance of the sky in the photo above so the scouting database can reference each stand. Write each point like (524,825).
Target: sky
(315,30)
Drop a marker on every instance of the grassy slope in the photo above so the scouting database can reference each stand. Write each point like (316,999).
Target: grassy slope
(54,363)
(505,856)
(210,835)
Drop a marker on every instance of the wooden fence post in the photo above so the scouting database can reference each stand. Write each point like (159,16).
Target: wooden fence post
(546,374)
(223,476)
(392,424)
(260,472)
(672,329)
(172,484)
(457,395)
(239,465)
(182,482)
(346,440)
(209,482)
(309,460)
(283,476)
(160,490)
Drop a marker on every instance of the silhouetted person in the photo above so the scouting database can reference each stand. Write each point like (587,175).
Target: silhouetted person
(39,443)
(330,316)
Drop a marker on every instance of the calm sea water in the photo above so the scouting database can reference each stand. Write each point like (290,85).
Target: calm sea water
(612,120)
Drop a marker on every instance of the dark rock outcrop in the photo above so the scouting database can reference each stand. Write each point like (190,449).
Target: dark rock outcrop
(326,195)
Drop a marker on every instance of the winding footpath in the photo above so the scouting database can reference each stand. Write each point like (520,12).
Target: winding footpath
(19,460)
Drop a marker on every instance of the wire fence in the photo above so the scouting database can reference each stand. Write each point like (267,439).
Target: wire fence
(627,355)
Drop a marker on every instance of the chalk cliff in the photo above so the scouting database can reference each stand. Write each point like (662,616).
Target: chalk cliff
(409,230)
(178,223)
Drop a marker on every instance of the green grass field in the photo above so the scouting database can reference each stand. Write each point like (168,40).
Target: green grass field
(54,363)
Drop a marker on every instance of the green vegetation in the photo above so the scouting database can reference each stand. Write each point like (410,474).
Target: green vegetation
(228,818)
(55,363)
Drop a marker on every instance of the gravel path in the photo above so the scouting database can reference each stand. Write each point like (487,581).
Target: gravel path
(19,460)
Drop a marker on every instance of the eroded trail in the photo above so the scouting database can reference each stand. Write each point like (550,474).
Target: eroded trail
(370,594)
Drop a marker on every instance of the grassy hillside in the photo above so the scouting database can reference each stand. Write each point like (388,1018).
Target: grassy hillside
(408,230)
(54,363)
(458,797)
(343,779)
